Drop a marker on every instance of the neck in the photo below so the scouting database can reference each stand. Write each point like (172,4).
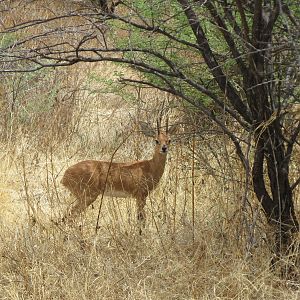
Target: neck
(158,163)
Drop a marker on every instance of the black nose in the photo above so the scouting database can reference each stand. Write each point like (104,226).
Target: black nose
(164,148)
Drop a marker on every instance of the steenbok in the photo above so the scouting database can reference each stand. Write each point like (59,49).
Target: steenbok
(88,179)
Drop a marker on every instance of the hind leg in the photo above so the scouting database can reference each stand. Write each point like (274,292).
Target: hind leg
(80,205)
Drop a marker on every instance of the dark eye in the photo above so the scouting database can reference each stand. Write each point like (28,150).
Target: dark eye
(169,141)
(157,142)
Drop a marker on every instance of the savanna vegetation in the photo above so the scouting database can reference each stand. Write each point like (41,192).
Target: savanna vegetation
(78,76)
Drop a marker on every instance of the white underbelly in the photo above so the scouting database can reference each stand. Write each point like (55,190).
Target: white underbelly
(117,194)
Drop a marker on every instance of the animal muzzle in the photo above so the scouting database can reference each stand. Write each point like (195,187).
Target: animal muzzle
(164,149)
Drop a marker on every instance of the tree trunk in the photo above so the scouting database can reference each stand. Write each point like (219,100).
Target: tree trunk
(279,207)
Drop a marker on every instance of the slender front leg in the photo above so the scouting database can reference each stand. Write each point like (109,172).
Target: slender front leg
(141,215)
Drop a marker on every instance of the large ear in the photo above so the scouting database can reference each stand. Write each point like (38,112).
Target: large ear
(147,130)
(173,129)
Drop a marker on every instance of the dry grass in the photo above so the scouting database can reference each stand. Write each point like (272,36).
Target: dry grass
(169,261)
(173,259)
(216,250)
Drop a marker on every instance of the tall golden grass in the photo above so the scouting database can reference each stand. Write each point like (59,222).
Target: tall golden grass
(200,242)
(205,236)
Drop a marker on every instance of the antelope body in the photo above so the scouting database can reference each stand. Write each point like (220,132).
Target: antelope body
(88,179)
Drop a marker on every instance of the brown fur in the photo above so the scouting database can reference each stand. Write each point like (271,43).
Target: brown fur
(88,179)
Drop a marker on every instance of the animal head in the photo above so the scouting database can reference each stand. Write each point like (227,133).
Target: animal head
(162,138)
